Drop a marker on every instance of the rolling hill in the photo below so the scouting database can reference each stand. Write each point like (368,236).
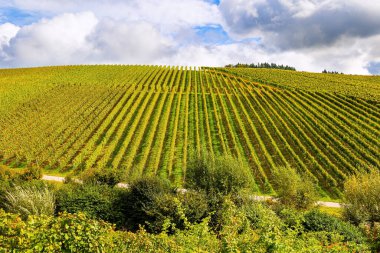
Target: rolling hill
(148,120)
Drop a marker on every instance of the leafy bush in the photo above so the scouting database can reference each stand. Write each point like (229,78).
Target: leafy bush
(294,190)
(362,197)
(195,205)
(173,222)
(221,174)
(29,200)
(318,221)
(31,173)
(145,200)
(261,217)
(65,233)
(250,228)
(196,238)
(8,174)
(17,175)
(362,203)
(106,176)
(148,202)
(291,218)
(97,201)
(4,186)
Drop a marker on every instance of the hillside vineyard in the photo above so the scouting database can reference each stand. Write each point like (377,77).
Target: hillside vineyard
(148,120)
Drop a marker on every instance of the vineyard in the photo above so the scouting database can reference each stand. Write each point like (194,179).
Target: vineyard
(363,87)
(148,120)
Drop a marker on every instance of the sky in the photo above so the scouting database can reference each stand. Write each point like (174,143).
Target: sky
(311,35)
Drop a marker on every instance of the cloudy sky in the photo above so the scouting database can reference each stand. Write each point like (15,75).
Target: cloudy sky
(312,35)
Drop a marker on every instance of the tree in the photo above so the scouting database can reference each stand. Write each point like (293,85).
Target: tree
(294,190)
(362,197)
(218,174)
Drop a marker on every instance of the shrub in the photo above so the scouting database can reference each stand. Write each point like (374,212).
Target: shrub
(195,205)
(292,219)
(78,233)
(147,197)
(29,200)
(362,197)
(65,233)
(32,173)
(261,217)
(294,190)
(8,174)
(362,203)
(197,238)
(106,176)
(221,174)
(318,221)
(97,201)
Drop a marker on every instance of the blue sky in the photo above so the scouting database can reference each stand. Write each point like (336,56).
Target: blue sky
(212,34)
(18,17)
(339,35)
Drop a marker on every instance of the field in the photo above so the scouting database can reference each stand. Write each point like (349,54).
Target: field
(364,87)
(148,120)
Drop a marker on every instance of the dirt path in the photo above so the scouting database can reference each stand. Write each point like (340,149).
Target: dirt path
(259,198)
(53,178)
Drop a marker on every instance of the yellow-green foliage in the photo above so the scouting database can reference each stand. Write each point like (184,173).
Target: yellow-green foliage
(218,174)
(259,230)
(362,197)
(66,233)
(7,173)
(333,211)
(366,87)
(146,120)
(294,190)
(29,200)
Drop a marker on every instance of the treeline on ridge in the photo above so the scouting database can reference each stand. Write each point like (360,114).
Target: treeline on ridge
(262,65)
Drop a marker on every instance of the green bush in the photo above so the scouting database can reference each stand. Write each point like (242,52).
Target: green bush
(291,218)
(29,199)
(97,201)
(318,221)
(362,203)
(362,197)
(248,228)
(195,205)
(148,202)
(196,238)
(262,217)
(218,174)
(294,190)
(65,233)
(147,197)
(106,176)
(8,174)
(31,173)
(18,175)
(5,185)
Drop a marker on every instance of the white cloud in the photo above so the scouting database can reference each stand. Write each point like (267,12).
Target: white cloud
(302,8)
(300,23)
(308,34)
(168,15)
(7,32)
(335,34)
(82,38)
(133,43)
(61,40)
(348,56)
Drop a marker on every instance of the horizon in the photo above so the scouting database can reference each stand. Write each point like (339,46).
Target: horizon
(309,35)
(194,68)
